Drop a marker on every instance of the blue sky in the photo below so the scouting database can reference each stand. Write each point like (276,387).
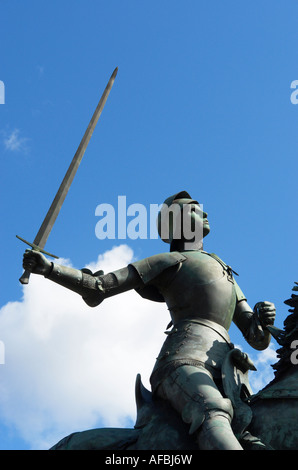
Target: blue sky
(201,103)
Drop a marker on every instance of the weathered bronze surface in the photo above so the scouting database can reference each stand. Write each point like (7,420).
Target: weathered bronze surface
(270,415)
(200,390)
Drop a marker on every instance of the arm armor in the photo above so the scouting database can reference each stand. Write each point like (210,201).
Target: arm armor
(94,288)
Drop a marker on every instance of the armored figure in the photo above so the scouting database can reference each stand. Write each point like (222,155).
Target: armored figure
(203,299)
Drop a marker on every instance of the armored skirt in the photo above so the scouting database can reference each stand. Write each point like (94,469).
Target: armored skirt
(196,342)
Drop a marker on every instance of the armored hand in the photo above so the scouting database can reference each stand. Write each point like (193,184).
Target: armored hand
(266,312)
(35,262)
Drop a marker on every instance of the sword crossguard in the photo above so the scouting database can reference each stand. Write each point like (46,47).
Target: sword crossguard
(37,248)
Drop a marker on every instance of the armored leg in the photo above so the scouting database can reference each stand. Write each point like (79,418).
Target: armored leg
(193,393)
(216,432)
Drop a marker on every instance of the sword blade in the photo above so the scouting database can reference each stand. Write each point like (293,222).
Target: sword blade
(49,220)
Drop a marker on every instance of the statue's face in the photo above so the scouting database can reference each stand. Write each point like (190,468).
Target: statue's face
(198,218)
(184,219)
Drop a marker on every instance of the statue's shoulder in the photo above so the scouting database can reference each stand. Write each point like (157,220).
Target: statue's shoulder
(151,267)
(217,258)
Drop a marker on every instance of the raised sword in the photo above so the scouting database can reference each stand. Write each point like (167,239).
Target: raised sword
(49,220)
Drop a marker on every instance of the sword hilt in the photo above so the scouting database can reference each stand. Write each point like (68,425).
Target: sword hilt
(24,279)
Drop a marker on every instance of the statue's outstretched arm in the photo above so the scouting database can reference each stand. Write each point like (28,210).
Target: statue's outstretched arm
(253,323)
(99,286)
(93,288)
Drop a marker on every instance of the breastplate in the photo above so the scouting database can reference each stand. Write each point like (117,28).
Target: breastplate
(201,288)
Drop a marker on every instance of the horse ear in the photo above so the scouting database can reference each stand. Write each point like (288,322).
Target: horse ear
(143,396)
(144,404)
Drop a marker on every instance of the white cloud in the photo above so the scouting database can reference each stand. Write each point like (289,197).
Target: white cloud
(68,366)
(264,373)
(14,142)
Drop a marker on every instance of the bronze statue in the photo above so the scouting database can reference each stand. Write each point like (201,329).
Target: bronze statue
(203,299)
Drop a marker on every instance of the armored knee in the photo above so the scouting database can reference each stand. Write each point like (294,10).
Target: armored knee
(219,406)
(196,412)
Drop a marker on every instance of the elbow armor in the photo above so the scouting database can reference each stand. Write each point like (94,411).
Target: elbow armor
(80,281)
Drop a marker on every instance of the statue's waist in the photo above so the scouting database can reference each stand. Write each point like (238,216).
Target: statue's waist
(197,340)
(197,324)
(221,319)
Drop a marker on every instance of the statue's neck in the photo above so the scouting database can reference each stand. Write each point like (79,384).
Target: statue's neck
(182,245)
